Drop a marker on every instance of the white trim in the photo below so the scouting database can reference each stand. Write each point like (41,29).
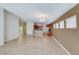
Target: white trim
(62,46)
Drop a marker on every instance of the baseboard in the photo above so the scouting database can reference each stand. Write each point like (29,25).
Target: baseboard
(62,46)
(10,40)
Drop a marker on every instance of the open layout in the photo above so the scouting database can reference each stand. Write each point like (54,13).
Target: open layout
(39,28)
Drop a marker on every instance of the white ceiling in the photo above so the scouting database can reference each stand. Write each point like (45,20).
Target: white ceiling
(32,11)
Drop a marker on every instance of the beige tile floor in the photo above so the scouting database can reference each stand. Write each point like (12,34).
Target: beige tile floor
(32,46)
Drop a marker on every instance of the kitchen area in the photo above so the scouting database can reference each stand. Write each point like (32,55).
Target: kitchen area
(39,30)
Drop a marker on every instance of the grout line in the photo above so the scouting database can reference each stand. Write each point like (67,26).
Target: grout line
(62,46)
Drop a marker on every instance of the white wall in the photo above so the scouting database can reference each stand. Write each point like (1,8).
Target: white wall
(11,26)
(29,28)
(1,26)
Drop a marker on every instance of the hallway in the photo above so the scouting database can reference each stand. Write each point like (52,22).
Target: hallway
(41,20)
(32,46)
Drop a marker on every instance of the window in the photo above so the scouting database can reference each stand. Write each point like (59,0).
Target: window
(71,22)
(54,26)
(61,25)
(57,25)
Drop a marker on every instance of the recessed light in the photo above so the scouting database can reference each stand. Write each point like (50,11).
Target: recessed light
(42,20)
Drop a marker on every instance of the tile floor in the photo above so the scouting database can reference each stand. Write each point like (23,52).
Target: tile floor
(32,46)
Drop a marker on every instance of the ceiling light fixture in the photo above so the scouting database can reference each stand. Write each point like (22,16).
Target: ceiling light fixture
(44,16)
